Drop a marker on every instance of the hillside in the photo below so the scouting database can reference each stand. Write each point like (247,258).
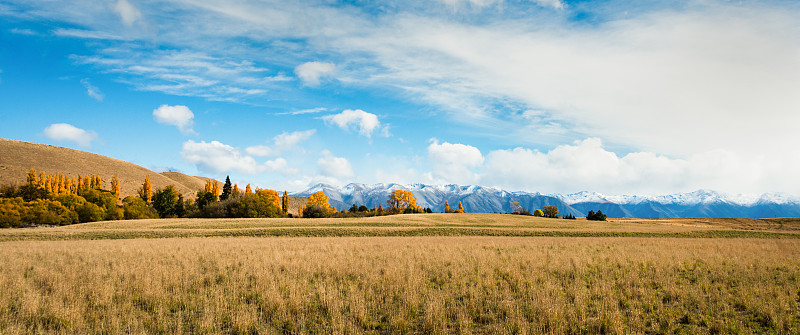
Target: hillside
(18,157)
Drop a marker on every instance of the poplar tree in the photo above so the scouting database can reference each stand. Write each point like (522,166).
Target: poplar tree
(446,207)
(115,187)
(32,178)
(146,192)
(460,208)
(215,189)
(285,203)
(248,190)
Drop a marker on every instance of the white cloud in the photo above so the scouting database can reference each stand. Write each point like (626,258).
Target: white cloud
(92,90)
(281,142)
(306,111)
(586,165)
(179,116)
(285,141)
(312,72)
(24,31)
(365,122)
(557,4)
(455,162)
(260,150)
(219,158)
(127,12)
(68,132)
(336,167)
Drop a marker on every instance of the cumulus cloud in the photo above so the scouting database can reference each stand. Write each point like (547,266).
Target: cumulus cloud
(312,73)
(455,162)
(587,165)
(127,12)
(281,142)
(217,157)
(179,116)
(92,90)
(336,167)
(68,132)
(364,122)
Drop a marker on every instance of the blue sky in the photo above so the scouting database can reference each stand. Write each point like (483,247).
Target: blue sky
(542,95)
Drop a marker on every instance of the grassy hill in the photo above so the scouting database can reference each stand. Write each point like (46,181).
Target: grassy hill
(18,157)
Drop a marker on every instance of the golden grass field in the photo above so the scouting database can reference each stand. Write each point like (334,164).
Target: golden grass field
(432,273)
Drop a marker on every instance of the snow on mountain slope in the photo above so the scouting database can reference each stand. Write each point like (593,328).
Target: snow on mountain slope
(701,203)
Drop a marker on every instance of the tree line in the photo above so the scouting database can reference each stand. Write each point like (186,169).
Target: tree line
(551,211)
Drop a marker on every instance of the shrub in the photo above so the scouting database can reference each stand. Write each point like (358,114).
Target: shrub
(251,206)
(166,201)
(599,216)
(16,212)
(316,211)
(135,208)
(550,211)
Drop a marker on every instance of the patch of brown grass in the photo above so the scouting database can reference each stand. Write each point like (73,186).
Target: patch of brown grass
(401,285)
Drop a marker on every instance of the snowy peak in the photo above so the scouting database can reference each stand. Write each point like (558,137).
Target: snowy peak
(700,203)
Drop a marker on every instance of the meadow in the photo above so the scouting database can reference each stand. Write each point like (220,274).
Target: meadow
(432,273)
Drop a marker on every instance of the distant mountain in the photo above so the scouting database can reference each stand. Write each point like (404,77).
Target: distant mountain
(479,199)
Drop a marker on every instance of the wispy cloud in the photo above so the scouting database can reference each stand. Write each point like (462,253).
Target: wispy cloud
(92,90)
(127,12)
(23,31)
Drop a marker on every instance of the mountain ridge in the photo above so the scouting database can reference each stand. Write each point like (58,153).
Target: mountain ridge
(700,203)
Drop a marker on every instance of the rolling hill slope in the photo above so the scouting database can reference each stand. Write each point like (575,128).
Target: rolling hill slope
(18,157)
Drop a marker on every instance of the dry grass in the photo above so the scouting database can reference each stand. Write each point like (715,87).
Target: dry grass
(408,225)
(18,157)
(401,285)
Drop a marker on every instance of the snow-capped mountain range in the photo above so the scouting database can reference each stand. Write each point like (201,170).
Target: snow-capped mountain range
(479,199)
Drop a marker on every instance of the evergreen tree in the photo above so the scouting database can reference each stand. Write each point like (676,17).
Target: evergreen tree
(226,189)
(180,208)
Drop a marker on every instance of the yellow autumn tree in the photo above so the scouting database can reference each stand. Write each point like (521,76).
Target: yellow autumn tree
(146,192)
(248,190)
(32,178)
(270,195)
(215,189)
(446,207)
(460,208)
(285,203)
(235,193)
(402,199)
(115,187)
(319,199)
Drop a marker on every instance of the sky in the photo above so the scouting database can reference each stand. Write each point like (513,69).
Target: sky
(550,96)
